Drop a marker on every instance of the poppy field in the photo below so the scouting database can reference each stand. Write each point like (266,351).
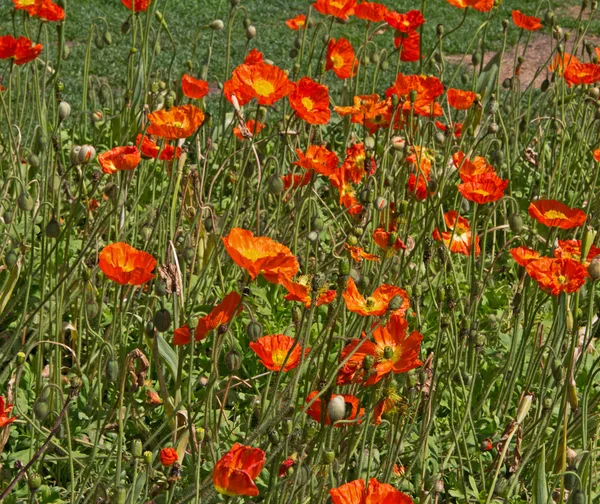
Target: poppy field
(361,273)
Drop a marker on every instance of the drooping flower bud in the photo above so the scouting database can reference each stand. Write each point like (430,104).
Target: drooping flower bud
(336,409)
(524,406)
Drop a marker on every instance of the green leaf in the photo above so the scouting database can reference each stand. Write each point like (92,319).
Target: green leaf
(168,355)
(540,486)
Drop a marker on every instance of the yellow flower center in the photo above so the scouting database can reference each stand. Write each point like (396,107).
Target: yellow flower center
(278,357)
(177,124)
(263,87)
(370,303)
(562,279)
(554,214)
(253,254)
(338,60)
(308,103)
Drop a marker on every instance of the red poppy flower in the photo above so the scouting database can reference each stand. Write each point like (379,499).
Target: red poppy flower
(420,159)
(383,238)
(553,213)
(480,5)
(310,100)
(175,123)
(261,256)
(314,410)
(393,351)
(377,303)
(427,90)
(119,159)
(358,254)
(148,148)
(126,265)
(459,99)
(471,170)
(338,8)
(257,79)
(356,492)
(524,255)
(571,249)
(581,73)
(182,335)
(409,45)
(371,11)
(405,22)
(341,59)
(194,88)
(21,50)
(557,275)
(284,467)
(296,22)
(596,155)
(168,456)
(354,166)
(220,315)
(254,127)
(235,472)
(458,238)
(319,159)
(529,23)
(44,9)
(484,188)
(301,291)
(455,129)
(5,409)
(169,153)
(296,180)
(366,111)
(137,5)
(273,350)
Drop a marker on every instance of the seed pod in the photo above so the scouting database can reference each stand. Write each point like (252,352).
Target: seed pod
(34,481)
(316,224)
(493,128)
(352,240)
(233,361)
(515,221)
(578,497)
(148,457)
(594,269)
(25,202)
(10,258)
(136,448)
(162,320)
(344,267)
(275,184)
(547,404)
(53,228)
(112,370)
(328,457)
(336,409)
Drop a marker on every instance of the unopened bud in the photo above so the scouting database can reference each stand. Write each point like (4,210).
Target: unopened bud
(64,110)
(136,448)
(336,409)
(217,25)
(328,457)
(524,407)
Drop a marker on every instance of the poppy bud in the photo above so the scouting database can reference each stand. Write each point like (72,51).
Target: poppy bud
(160,289)
(439,30)
(112,370)
(34,481)
(273,437)
(572,396)
(99,42)
(549,17)
(313,237)
(296,315)
(251,32)
(275,184)
(162,320)
(125,27)
(524,407)
(64,110)
(86,155)
(328,457)
(439,137)
(136,448)
(309,432)
(515,221)
(352,240)
(486,445)
(233,361)
(52,228)
(438,486)
(148,457)
(578,497)
(316,224)
(293,53)
(25,201)
(217,25)
(40,409)
(20,359)
(380,203)
(336,409)
(254,331)
(432,186)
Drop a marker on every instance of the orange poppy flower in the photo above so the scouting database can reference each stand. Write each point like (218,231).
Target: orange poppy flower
(561,62)
(182,335)
(459,99)
(581,73)
(383,238)
(273,350)
(257,79)
(529,23)
(393,351)
(310,100)
(254,127)
(405,22)
(484,188)
(148,148)
(219,316)
(296,22)
(366,108)
(427,89)
(44,9)
(261,256)
(557,275)
(295,180)
(175,123)
(480,5)
(371,11)
(319,159)
(235,472)
(356,492)
(409,45)
(471,170)
(342,180)
(337,8)
(455,129)
(194,88)
(377,303)
(168,456)
(301,291)
(5,409)
(417,182)
(341,59)
(21,50)
(458,238)
(597,155)
(390,403)
(571,249)
(358,254)
(137,5)
(352,403)
(126,265)
(553,213)
(524,255)
(354,166)
(119,159)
